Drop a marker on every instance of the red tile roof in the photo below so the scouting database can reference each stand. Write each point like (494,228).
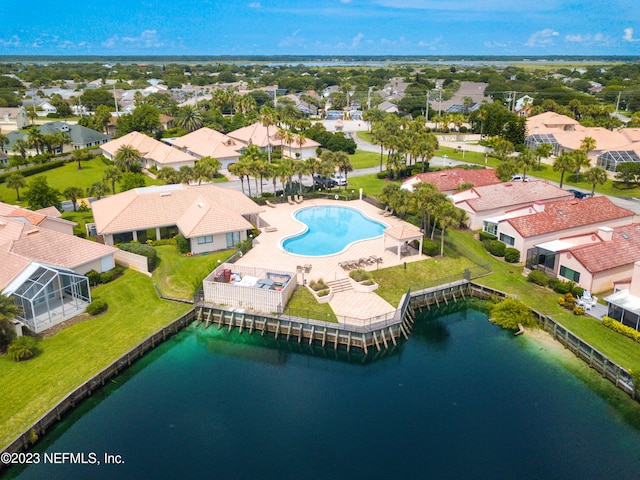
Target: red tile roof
(511,195)
(446,180)
(622,249)
(566,214)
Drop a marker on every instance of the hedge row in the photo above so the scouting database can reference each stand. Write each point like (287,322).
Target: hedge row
(29,171)
(618,327)
(557,285)
(144,250)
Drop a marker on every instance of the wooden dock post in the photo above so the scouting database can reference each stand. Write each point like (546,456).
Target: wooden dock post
(393,337)
(335,341)
(253,321)
(384,339)
(231,322)
(324,336)
(220,320)
(406,337)
(435,297)
(364,345)
(349,343)
(264,326)
(444,297)
(313,329)
(375,339)
(277,330)
(241,323)
(289,330)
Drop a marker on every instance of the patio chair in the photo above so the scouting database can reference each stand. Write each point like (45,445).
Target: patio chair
(291,202)
(389,213)
(383,212)
(307,267)
(269,204)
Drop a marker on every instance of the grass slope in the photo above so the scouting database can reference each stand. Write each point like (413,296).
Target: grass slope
(73,355)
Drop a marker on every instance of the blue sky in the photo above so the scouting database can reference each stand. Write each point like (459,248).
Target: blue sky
(321,27)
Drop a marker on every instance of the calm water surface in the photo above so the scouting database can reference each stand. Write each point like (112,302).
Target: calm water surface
(461,399)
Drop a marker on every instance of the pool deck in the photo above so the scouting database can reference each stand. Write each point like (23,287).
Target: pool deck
(349,306)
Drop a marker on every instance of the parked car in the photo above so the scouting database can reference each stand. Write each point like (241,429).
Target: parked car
(323,181)
(579,194)
(339,179)
(519,178)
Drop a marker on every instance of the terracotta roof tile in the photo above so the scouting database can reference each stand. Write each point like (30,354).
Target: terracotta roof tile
(512,194)
(149,148)
(566,214)
(622,249)
(446,180)
(206,142)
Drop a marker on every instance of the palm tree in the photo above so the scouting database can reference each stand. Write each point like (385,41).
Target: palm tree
(77,155)
(526,159)
(4,140)
(595,176)
(580,160)
(424,198)
(206,169)
(98,190)
(503,148)
(167,175)
(16,181)
(268,118)
(312,166)
(241,170)
(126,156)
(61,139)
(112,174)
(36,139)
(343,162)
(186,174)
(8,311)
(21,146)
(543,150)
(448,215)
(73,193)
(562,163)
(189,118)
(301,138)
(300,168)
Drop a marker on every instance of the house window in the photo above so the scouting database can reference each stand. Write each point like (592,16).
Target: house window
(491,228)
(569,274)
(509,240)
(205,239)
(233,238)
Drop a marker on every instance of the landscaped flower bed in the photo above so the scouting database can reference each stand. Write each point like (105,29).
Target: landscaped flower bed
(362,281)
(321,291)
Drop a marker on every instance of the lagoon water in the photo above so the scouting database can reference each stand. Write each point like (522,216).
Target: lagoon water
(461,399)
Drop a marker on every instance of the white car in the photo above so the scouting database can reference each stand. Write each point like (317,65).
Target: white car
(340,180)
(519,178)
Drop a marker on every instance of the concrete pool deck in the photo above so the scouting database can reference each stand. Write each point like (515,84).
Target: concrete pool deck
(349,306)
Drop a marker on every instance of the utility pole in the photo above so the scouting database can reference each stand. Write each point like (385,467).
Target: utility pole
(426,109)
(115,100)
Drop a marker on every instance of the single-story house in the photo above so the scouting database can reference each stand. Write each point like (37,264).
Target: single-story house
(154,153)
(489,203)
(81,137)
(595,260)
(560,219)
(210,217)
(206,142)
(44,265)
(448,181)
(624,303)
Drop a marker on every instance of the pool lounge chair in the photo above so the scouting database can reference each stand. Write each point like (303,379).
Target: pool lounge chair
(269,204)
(389,213)
(298,199)
(385,211)
(291,202)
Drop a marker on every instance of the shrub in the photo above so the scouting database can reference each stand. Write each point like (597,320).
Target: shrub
(144,250)
(163,241)
(360,275)
(98,306)
(538,277)
(496,248)
(618,327)
(323,293)
(559,286)
(22,348)
(486,236)
(511,255)
(578,311)
(381,175)
(431,248)
(183,244)
(94,278)
(510,312)
(108,276)
(318,285)
(29,171)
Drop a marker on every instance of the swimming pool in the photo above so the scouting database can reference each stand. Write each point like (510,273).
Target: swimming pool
(330,230)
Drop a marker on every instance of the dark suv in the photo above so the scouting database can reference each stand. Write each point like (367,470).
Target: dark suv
(326,182)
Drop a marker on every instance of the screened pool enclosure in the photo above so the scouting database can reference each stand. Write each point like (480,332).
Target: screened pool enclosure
(49,296)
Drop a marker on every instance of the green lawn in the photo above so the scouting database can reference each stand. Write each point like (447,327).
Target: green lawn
(362,159)
(370,184)
(303,303)
(508,278)
(73,355)
(176,273)
(66,176)
(364,135)
(393,282)
(81,218)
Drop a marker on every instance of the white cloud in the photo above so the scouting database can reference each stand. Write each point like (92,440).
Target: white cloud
(255,5)
(13,41)
(432,45)
(356,40)
(495,44)
(542,38)
(147,39)
(587,38)
(292,39)
(628,35)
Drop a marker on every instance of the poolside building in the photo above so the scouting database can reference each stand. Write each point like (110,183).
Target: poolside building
(210,217)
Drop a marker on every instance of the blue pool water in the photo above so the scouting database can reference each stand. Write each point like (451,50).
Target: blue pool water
(330,230)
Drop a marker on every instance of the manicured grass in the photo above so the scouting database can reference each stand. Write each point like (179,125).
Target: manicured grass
(71,356)
(364,135)
(362,159)
(370,184)
(176,274)
(302,303)
(509,278)
(393,282)
(66,176)
(81,218)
